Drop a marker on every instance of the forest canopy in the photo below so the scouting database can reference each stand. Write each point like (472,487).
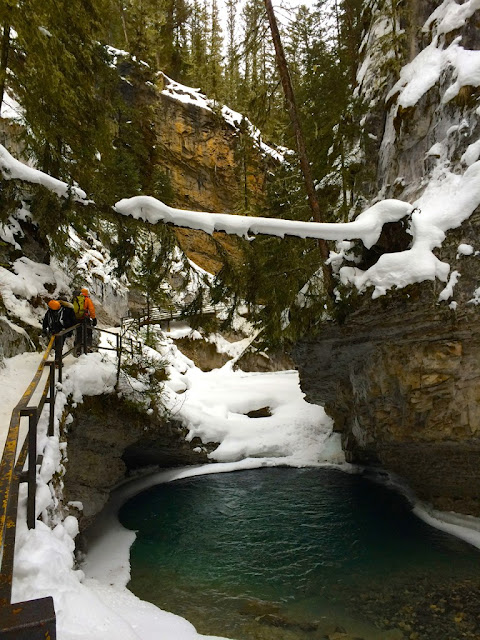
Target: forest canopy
(85,80)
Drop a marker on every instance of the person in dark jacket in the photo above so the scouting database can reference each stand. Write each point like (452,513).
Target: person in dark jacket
(52,321)
(59,316)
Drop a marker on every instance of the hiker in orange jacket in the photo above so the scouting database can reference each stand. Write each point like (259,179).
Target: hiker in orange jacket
(85,313)
(89,307)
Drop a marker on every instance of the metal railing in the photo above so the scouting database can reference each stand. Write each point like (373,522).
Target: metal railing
(33,619)
(157,315)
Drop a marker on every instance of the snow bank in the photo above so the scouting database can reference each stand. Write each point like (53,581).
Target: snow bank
(28,281)
(367,227)
(14,170)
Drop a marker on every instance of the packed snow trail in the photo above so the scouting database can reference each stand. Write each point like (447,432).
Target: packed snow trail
(15,377)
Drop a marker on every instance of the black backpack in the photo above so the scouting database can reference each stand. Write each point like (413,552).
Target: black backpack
(54,321)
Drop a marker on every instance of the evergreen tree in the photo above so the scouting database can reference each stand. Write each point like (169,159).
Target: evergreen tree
(259,94)
(155,31)
(274,271)
(324,46)
(232,68)
(59,74)
(215,56)
(198,43)
(154,250)
(6,17)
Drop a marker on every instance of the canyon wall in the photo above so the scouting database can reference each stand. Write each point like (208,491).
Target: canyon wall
(213,162)
(400,374)
(110,437)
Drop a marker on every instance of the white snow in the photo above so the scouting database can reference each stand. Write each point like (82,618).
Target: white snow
(447,293)
(14,170)
(367,226)
(447,201)
(450,15)
(465,250)
(190,95)
(15,376)
(420,75)
(26,282)
(472,154)
(11,109)
(212,405)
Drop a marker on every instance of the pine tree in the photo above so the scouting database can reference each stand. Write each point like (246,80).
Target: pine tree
(232,70)
(214,79)
(6,17)
(198,44)
(325,67)
(259,93)
(61,78)
(154,250)
(155,31)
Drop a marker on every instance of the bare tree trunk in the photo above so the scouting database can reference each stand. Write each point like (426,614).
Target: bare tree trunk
(124,24)
(301,149)
(5,48)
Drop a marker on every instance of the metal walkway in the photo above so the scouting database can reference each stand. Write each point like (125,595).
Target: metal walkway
(33,619)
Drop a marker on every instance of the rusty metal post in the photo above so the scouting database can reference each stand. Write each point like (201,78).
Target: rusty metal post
(51,415)
(58,355)
(84,335)
(32,468)
(31,620)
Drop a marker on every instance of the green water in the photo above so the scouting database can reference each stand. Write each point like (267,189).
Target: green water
(300,553)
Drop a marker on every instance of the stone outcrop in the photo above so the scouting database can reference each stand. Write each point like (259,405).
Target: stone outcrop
(401,379)
(400,374)
(13,339)
(109,438)
(211,166)
(402,384)
(203,157)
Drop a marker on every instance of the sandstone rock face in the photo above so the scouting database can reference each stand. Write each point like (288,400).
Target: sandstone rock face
(401,379)
(211,166)
(109,438)
(205,158)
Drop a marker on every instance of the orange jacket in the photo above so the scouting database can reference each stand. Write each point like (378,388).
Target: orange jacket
(89,308)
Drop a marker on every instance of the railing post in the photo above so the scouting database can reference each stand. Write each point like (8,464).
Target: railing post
(51,416)
(30,620)
(84,335)
(119,355)
(32,468)
(58,355)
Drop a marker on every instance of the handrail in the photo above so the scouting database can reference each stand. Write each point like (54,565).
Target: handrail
(37,616)
(34,619)
(7,463)
(155,315)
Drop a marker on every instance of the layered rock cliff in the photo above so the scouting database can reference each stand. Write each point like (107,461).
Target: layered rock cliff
(214,159)
(400,374)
